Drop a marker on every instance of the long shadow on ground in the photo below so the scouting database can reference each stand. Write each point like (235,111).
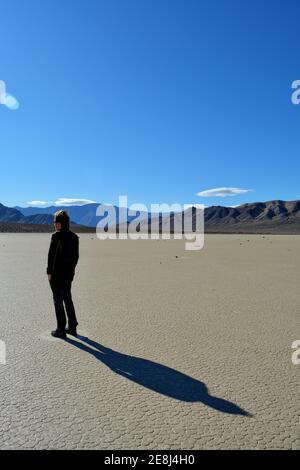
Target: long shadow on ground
(157,377)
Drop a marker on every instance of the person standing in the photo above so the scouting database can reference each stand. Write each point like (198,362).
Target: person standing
(63,256)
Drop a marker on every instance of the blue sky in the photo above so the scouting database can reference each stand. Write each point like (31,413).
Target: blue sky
(158,100)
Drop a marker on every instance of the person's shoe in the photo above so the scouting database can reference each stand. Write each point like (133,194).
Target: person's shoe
(58,334)
(72,331)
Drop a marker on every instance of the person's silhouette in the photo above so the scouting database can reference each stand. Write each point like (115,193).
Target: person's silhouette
(62,259)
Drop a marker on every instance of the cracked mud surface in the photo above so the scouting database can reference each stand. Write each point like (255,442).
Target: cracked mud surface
(191,352)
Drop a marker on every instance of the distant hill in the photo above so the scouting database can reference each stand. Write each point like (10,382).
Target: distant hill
(13,220)
(83,215)
(272,216)
(259,217)
(10,214)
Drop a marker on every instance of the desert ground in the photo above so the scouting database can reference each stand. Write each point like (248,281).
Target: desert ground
(177,349)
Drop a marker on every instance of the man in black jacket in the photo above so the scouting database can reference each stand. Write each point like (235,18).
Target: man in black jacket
(62,259)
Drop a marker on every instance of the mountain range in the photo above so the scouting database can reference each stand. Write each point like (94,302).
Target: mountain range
(12,220)
(259,217)
(10,214)
(83,215)
(275,216)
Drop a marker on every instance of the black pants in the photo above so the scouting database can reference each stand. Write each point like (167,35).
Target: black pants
(62,298)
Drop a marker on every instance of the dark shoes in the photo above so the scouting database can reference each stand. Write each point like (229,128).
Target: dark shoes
(62,334)
(72,331)
(58,334)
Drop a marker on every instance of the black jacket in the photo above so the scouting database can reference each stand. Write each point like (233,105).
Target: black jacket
(63,256)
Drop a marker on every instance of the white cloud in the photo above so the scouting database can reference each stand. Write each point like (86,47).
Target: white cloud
(223,192)
(38,203)
(11,102)
(64,201)
(7,99)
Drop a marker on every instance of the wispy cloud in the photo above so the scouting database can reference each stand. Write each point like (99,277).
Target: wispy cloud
(223,192)
(7,99)
(64,201)
(38,203)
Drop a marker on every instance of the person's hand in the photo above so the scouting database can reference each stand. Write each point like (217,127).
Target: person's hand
(49,277)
